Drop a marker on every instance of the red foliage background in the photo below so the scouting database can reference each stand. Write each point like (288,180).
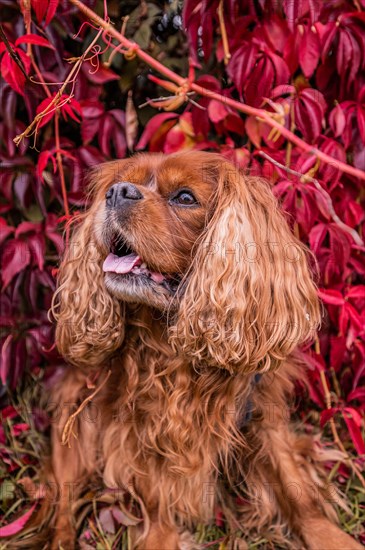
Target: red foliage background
(303,60)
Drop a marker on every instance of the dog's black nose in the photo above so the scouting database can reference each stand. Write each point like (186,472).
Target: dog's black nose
(121,193)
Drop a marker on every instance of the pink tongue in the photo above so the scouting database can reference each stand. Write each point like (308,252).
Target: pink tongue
(123,264)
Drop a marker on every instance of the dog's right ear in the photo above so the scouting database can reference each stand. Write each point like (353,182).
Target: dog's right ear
(90,322)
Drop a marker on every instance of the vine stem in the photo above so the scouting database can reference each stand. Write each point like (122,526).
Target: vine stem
(54,105)
(227,54)
(61,172)
(261,114)
(318,186)
(58,151)
(57,137)
(68,429)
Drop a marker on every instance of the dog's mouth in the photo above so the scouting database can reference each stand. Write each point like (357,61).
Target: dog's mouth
(126,263)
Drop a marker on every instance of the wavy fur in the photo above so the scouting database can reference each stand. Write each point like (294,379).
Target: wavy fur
(182,424)
(249,277)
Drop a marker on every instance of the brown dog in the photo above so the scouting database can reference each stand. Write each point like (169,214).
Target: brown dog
(184,291)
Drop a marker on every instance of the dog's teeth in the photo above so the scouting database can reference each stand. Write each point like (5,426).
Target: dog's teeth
(143,266)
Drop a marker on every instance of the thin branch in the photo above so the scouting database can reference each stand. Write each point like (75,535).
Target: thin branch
(68,429)
(61,172)
(306,178)
(266,116)
(120,48)
(157,101)
(41,80)
(227,53)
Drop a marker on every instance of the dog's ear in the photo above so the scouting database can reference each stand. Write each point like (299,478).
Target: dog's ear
(249,299)
(90,322)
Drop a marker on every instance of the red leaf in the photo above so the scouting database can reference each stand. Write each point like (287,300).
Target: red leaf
(282,90)
(282,73)
(355,319)
(354,421)
(112,133)
(217,111)
(153,127)
(8,412)
(175,140)
(91,108)
(337,120)
(68,106)
(340,243)
(309,51)
(252,126)
(34,39)
(260,82)
(358,393)
(11,72)
(27,227)
(52,233)
(356,292)
(15,258)
(326,415)
(37,247)
(361,122)
(5,230)
(43,159)
(330,173)
(291,12)
(5,359)
(309,113)
(328,34)
(332,297)
(53,5)
(344,52)
(49,114)
(20,428)
(40,7)
(18,524)
(337,351)
(317,236)
(354,213)
(89,129)
(314,10)
(234,123)
(242,63)
(276,32)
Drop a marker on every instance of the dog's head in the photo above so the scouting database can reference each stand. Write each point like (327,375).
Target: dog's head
(187,234)
(151,213)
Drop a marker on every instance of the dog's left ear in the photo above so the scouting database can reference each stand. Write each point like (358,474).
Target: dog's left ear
(249,299)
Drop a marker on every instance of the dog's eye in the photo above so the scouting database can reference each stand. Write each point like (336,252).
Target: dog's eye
(184,198)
